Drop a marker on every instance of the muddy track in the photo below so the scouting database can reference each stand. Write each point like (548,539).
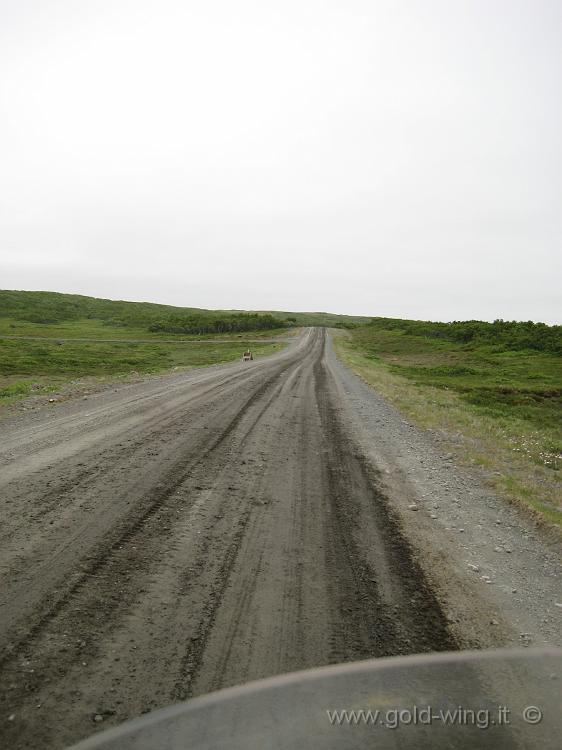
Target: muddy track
(165,542)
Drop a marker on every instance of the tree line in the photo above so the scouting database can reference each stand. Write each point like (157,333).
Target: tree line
(502,334)
(194,324)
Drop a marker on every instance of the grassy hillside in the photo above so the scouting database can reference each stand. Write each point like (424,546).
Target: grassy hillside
(59,315)
(497,387)
(52,307)
(50,313)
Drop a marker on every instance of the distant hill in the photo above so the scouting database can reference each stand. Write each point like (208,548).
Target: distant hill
(52,308)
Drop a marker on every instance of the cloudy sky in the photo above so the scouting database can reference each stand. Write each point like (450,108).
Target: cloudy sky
(379,157)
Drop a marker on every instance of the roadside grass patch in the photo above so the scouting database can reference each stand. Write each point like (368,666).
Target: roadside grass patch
(14,389)
(19,388)
(503,405)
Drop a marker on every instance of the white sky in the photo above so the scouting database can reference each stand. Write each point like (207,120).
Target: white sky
(379,157)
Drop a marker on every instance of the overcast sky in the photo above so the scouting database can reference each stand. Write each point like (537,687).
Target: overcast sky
(378,157)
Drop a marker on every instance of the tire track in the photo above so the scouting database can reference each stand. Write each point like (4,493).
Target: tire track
(386,607)
(132,523)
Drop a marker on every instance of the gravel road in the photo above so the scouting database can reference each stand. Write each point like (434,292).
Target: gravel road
(168,538)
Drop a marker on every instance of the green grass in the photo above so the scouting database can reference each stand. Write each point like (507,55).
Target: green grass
(95,358)
(16,389)
(505,403)
(28,367)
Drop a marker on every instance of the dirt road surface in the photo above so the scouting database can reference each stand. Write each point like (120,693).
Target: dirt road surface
(164,539)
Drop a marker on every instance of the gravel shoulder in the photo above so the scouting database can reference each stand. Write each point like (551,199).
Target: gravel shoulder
(495,571)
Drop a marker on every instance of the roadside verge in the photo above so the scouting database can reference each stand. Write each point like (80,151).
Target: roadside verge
(507,464)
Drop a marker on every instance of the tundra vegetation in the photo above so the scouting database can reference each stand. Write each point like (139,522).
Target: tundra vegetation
(494,389)
(118,339)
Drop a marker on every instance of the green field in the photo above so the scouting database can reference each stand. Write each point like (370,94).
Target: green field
(41,366)
(51,356)
(496,387)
